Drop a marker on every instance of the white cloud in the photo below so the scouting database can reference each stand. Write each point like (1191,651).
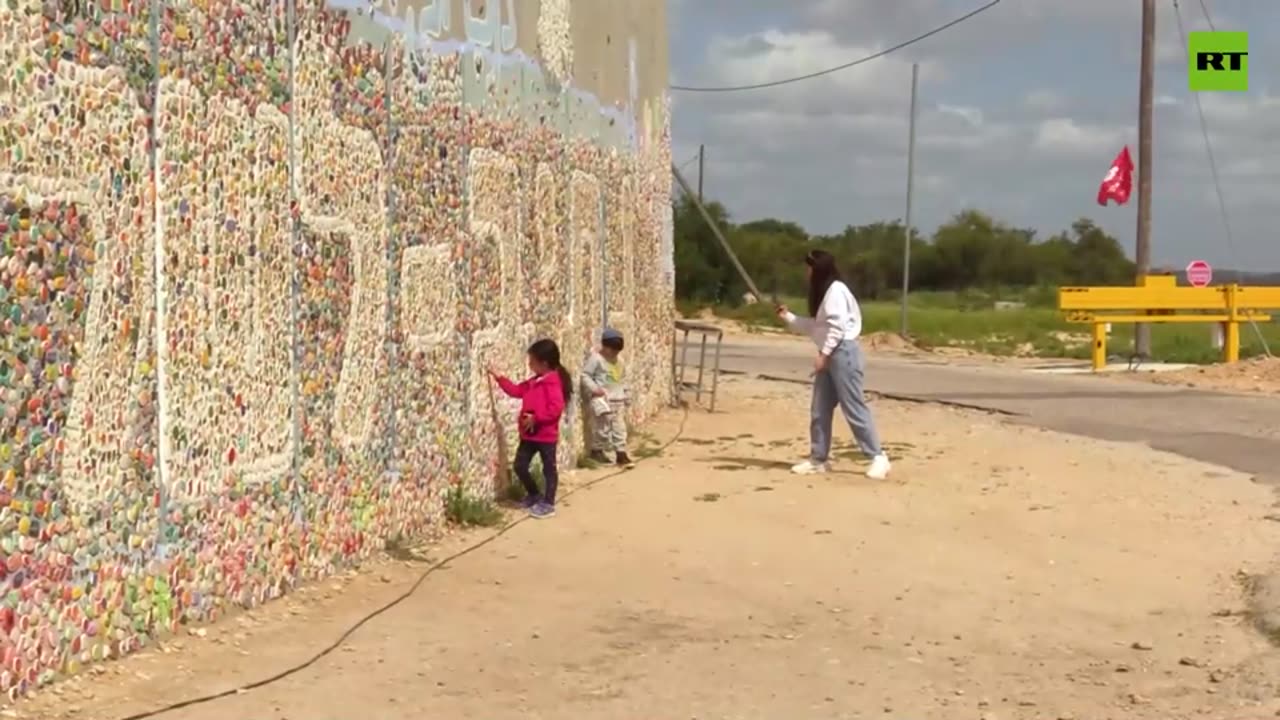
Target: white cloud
(1239,110)
(1043,100)
(1062,135)
(1006,23)
(775,54)
(970,115)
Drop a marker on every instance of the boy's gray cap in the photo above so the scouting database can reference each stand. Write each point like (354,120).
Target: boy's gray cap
(610,334)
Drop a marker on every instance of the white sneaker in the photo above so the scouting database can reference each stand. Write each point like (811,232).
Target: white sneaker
(880,467)
(809,467)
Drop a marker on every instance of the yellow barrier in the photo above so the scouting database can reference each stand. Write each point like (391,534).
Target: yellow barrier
(1158,299)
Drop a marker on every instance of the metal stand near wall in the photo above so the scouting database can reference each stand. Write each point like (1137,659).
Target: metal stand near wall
(680,360)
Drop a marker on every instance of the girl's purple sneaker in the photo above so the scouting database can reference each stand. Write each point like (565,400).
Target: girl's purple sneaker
(530,502)
(542,511)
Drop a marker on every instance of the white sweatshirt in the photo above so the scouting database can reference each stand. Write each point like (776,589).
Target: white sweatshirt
(839,318)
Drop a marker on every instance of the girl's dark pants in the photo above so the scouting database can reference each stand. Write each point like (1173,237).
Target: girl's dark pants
(524,456)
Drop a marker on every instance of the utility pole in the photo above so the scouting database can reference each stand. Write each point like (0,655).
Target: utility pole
(911,176)
(1142,251)
(702,156)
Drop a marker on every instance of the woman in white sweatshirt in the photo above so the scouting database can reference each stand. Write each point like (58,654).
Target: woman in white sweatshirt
(834,323)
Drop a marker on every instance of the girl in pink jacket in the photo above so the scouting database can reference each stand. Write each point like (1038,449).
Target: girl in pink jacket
(542,401)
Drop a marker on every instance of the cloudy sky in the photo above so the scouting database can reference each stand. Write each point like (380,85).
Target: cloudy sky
(1022,109)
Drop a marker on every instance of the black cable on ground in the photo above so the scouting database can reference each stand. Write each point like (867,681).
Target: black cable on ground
(394,602)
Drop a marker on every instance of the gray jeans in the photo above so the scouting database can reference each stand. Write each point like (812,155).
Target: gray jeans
(609,431)
(841,384)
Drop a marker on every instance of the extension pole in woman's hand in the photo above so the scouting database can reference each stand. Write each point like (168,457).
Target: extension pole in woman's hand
(715,229)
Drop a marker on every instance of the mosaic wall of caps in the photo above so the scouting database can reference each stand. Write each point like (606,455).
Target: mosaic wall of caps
(247,297)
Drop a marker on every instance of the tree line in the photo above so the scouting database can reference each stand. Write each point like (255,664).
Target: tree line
(970,251)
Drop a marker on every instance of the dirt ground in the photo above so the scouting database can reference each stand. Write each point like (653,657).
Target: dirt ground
(1005,573)
(1257,375)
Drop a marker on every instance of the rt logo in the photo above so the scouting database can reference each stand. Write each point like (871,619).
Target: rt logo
(1218,62)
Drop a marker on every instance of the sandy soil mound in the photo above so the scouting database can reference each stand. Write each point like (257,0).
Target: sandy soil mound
(1256,375)
(888,342)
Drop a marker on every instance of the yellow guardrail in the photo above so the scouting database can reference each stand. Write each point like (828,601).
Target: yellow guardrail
(1158,299)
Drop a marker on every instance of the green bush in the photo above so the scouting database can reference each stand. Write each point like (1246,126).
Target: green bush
(468,510)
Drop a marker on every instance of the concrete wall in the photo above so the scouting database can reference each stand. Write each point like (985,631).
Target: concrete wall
(253,259)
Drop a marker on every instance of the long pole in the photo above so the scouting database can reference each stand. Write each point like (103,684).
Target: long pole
(393,466)
(715,230)
(295,277)
(702,157)
(158,257)
(1142,251)
(911,178)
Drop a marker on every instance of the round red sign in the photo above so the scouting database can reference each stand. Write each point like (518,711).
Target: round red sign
(1199,273)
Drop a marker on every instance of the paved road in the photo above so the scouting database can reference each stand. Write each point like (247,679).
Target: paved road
(1237,431)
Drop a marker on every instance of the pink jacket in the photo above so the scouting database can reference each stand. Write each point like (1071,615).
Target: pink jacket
(543,398)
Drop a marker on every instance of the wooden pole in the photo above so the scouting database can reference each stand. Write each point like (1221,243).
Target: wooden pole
(702,157)
(1142,251)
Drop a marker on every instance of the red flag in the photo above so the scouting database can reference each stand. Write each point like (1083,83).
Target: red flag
(1119,180)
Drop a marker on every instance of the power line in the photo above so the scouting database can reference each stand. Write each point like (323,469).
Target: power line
(1213,164)
(685,164)
(846,66)
(1208,143)
(1205,9)
(1204,132)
